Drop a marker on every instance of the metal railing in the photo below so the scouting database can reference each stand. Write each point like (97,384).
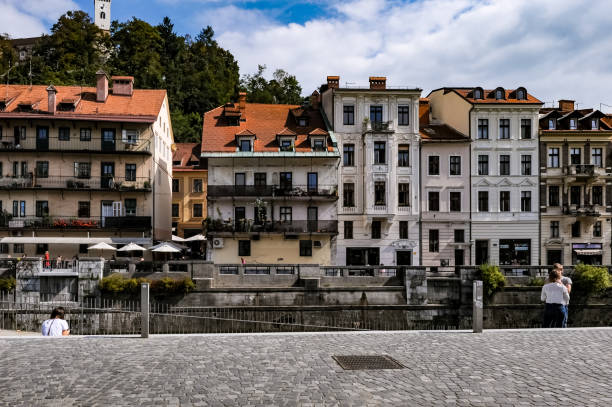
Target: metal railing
(229,191)
(64,222)
(296,226)
(586,170)
(95,145)
(104,183)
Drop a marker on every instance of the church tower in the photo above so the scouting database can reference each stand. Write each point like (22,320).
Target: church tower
(102,12)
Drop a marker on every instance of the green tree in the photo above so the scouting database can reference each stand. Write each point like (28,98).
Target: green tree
(283,88)
(8,57)
(187,127)
(173,56)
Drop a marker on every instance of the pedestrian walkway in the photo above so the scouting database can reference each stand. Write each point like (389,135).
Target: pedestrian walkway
(505,368)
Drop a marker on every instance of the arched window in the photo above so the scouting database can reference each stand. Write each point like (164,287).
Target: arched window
(102,15)
(521,94)
(477,93)
(499,93)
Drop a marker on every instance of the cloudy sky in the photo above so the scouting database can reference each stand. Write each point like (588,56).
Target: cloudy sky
(556,48)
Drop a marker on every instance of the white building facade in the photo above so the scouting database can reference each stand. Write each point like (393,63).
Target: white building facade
(377,129)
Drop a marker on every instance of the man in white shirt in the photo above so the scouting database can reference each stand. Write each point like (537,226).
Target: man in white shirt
(56,326)
(567,282)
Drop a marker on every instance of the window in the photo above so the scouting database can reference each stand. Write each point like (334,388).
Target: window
(131,137)
(42,209)
(1,170)
(15,209)
(319,144)
(376,229)
(594,124)
(380,152)
(499,94)
(403,155)
(379,193)
(434,165)
(455,165)
(244,248)
(526,201)
(553,157)
(504,128)
(597,195)
(286,145)
(553,195)
(130,207)
(403,115)
(259,179)
(349,155)
(245,145)
(240,179)
(41,248)
(483,201)
(15,169)
(197,185)
(260,214)
(83,248)
(85,135)
(596,154)
(504,201)
(554,229)
(240,213)
(286,181)
(42,169)
(459,236)
(434,240)
(130,172)
(175,210)
(24,169)
(478,94)
(575,156)
(313,182)
(64,134)
(525,128)
(597,229)
(302,122)
(349,115)
(4,248)
(348,195)
(22,209)
(403,229)
(305,248)
(403,193)
(348,229)
(18,248)
(20,133)
(376,113)
(552,124)
(483,129)
(576,229)
(286,214)
(455,201)
(175,185)
(84,209)
(525,165)
(520,94)
(504,165)
(197,210)
(434,201)
(483,165)
(575,195)
(572,124)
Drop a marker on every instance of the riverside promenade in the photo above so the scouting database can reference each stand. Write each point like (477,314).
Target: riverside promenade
(496,368)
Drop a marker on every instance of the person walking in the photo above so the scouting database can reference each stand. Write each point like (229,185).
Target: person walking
(56,325)
(555,295)
(567,282)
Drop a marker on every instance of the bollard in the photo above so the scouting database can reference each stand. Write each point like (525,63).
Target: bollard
(477,307)
(144,310)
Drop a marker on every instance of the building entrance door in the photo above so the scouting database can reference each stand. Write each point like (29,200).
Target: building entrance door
(42,138)
(403,257)
(554,256)
(459,257)
(482,251)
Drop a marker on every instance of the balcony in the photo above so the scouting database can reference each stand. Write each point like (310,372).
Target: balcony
(580,170)
(378,127)
(99,183)
(581,211)
(93,145)
(74,223)
(287,227)
(291,191)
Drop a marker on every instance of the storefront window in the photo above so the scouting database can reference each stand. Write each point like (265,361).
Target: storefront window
(515,252)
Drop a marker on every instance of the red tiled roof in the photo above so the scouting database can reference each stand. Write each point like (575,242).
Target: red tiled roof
(441,132)
(265,121)
(122,78)
(287,132)
(467,94)
(184,153)
(143,105)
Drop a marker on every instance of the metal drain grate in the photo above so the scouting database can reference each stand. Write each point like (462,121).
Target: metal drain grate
(360,362)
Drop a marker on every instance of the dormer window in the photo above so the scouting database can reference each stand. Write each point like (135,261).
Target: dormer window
(552,124)
(318,144)
(594,124)
(521,94)
(286,144)
(478,93)
(572,124)
(302,122)
(233,121)
(245,145)
(499,94)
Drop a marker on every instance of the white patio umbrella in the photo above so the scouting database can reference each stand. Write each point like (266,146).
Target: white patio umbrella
(131,247)
(197,238)
(101,246)
(165,248)
(177,238)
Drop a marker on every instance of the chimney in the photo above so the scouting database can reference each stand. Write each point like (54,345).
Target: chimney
(566,105)
(101,86)
(333,82)
(123,85)
(314,100)
(242,101)
(378,82)
(51,92)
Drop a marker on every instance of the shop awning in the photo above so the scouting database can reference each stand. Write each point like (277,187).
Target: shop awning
(75,240)
(589,252)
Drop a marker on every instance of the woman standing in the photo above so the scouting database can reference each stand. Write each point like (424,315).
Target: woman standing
(56,325)
(555,295)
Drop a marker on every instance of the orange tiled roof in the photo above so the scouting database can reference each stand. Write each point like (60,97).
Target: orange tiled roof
(265,121)
(184,153)
(142,106)
(441,132)
(467,94)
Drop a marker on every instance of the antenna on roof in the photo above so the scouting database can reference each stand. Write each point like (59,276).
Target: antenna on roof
(30,73)
(8,75)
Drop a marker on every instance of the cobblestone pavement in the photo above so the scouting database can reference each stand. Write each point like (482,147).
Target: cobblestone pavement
(506,368)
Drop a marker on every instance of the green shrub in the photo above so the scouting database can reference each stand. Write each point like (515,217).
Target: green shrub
(169,285)
(492,279)
(590,280)
(536,282)
(8,284)
(118,284)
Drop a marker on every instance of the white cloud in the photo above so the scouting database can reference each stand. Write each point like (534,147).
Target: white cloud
(556,48)
(28,18)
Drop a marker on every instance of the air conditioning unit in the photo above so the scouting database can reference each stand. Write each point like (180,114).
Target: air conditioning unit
(218,243)
(317,243)
(444,262)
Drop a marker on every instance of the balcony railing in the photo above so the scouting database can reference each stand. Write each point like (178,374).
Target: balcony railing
(97,145)
(67,222)
(378,126)
(289,227)
(93,183)
(328,191)
(581,211)
(581,170)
